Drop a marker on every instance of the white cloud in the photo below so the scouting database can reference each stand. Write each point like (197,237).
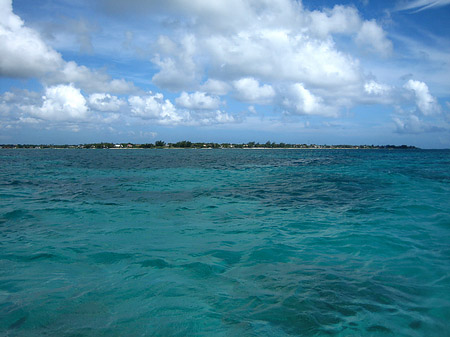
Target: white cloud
(298,100)
(426,103)
(208,117)
(272,42)
(340,19)
(105,102)
(62,103)
(198,100)
(178,70)
(24,54)
(412,124)
(280,55)
(215,87)
(260,52)
(374,38)
(374,88)
(420,5)
(155,107)
(65,106)
(346,20)
(15,106)
(22,51)
(255,48)
(18,96)
(248,90)
(91,81)
(431,119)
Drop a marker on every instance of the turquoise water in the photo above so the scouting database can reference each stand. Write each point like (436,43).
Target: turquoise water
(224,243)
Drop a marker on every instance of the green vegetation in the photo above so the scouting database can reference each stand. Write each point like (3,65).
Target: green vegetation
(159,144)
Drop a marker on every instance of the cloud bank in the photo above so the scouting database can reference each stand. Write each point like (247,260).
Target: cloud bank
(207,57)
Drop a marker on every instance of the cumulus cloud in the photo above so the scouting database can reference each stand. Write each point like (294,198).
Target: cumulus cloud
(162,111)
(260,52)
(374,38)
(154,106)
(280,55)
(16,106)
(254,48)
(374,88)
(177,68)
(21,97)
(24,54)
(248,90)
(198,100)
(425,102)
(22,51)
(60,106)
(299,100)
(271,42)
(89,80)
(215,87)
(412,124)
(66,106)
(426,118)
(105,102)
(208,117)
(62,103)
(340,19)
(374,92)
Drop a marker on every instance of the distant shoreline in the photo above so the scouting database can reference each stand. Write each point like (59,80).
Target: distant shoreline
(207,146)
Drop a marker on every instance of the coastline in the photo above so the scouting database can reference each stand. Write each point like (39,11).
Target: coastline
(214,146)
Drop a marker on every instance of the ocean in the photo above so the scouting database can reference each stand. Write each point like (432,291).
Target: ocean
(224,242)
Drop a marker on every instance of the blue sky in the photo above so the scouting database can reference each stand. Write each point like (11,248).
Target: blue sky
(327,72)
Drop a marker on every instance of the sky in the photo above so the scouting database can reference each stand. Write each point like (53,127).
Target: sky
(311,71)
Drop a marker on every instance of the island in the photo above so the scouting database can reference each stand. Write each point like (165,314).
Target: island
(159,144)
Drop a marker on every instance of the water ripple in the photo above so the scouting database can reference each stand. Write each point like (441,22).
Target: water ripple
(224,243)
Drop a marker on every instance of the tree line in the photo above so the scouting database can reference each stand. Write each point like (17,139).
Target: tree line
(185,144)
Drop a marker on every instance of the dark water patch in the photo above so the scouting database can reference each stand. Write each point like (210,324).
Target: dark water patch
(290,320)
(17,214)
(415,325)
(43,256)
(203,270)
(129,230)
(379,328)
(19,183)
(18,323)
(78,250)
(155,263)
(36,257)
(229,257)
(269,255)
(109,257)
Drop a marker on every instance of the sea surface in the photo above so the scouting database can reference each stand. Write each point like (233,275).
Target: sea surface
(224,242)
